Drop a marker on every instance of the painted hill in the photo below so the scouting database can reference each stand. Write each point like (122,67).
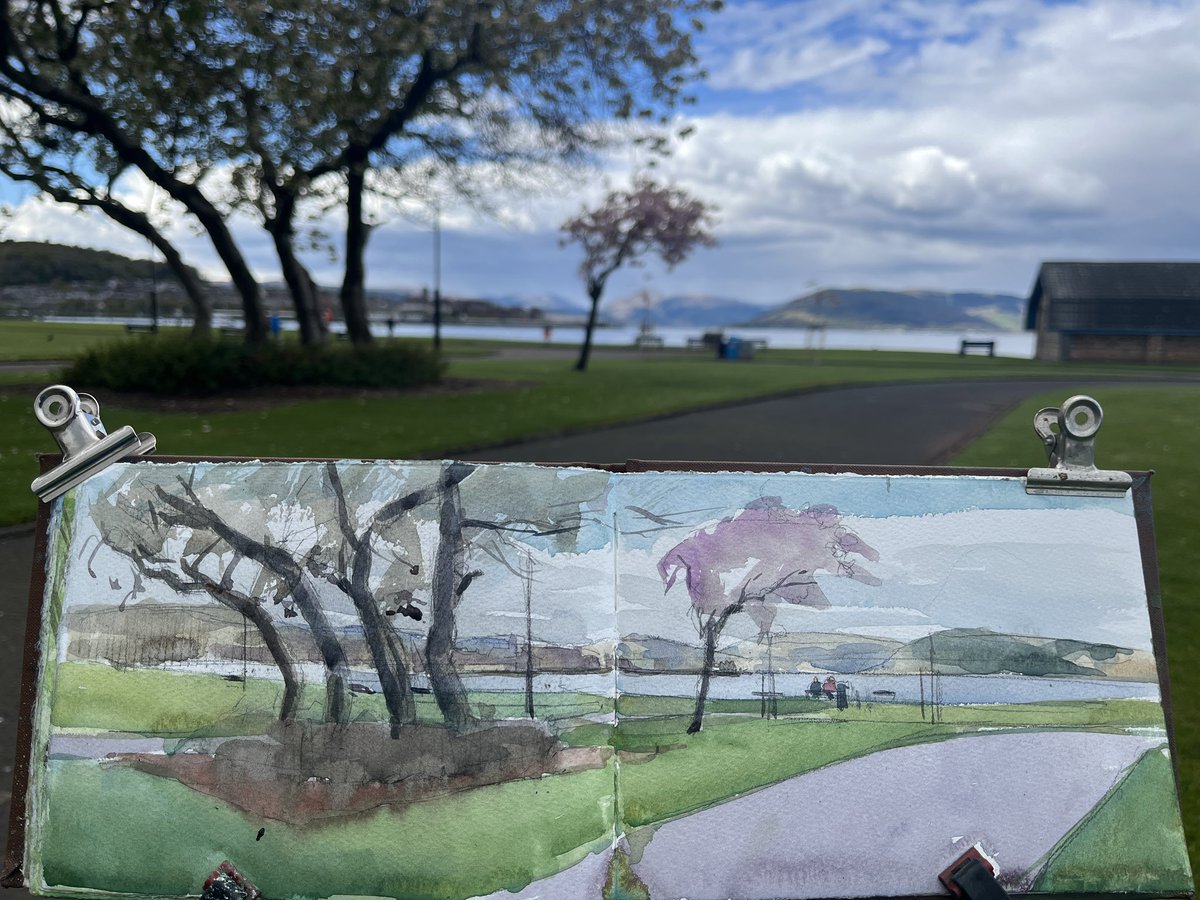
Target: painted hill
(865,308)
(979,651)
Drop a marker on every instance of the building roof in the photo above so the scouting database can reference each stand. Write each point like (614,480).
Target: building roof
(1147,291)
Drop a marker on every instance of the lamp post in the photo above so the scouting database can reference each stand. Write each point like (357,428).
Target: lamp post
(437,276)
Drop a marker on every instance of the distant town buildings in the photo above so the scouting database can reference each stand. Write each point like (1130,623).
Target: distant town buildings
(1136,312)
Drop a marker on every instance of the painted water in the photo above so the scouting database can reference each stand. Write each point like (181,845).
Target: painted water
(953,689)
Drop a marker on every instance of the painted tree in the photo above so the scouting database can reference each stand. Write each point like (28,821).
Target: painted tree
(753,561)
(648,220)
(157,521)
(290,540)
(480,515)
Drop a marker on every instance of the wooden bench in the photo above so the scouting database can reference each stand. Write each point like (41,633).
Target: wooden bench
(987,347)
(141,329)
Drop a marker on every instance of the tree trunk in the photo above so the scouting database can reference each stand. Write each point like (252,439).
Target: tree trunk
(191,284)
(354,300)
(585,351)
(300,284)
(448,571)
(94,120)
(712,629)
(239,272)
(397,695)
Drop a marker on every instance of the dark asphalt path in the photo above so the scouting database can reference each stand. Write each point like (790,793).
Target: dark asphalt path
(918,424)
(905,424)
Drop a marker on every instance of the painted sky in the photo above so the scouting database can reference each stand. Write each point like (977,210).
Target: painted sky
(884,143)
(954,552)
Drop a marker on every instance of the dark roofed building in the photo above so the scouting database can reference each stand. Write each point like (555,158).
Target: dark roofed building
(1117,311)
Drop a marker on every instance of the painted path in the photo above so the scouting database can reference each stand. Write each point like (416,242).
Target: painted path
(848,830)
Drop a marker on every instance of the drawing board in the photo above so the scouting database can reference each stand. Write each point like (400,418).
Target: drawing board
(441,679)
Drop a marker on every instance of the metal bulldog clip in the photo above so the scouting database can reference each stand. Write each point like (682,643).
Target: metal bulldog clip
(74,420)
(1069,436)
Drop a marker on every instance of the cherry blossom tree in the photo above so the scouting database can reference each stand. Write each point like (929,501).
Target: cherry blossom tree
(649,219)
(750,562)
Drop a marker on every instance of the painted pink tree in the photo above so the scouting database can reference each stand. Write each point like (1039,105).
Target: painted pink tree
(650,219)
(750,562)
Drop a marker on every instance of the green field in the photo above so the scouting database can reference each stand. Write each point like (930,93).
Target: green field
(510,400)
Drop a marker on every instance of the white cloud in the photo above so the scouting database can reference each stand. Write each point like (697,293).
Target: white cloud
(907,143)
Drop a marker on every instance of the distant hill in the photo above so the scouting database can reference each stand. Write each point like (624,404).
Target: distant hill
(865,308)
(38,263)
(698,310)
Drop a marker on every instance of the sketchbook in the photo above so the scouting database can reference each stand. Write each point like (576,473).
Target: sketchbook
(444,679)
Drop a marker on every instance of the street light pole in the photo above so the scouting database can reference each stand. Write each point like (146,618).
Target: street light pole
(437,276)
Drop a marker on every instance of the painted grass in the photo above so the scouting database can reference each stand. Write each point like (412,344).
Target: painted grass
(96,697)
(1131,838)
(1145,427)
(1099,714)
(170,837)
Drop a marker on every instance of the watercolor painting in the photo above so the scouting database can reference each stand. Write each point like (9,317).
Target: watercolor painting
(440,679)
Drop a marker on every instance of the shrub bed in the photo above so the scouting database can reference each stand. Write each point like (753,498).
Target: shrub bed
(183,365)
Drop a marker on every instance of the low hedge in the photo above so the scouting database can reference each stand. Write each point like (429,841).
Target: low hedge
(184,365)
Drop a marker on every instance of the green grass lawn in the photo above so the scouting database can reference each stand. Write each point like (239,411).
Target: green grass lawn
(534,397)
(21,340)
(1131,836)
(1145,427)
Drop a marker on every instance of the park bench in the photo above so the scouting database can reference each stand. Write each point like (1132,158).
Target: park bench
(141,329)
(988,348)
(648,340)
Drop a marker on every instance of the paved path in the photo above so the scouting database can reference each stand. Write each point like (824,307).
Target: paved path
(914,424)
(894,818)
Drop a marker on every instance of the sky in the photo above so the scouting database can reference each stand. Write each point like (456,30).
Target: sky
(858,143)
(953,552)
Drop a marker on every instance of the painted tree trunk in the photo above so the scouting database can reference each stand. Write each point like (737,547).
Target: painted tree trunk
(280,655)
(354,300)
(337,671)
(448,572)
(712,630)
(393,681)
(585,352)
